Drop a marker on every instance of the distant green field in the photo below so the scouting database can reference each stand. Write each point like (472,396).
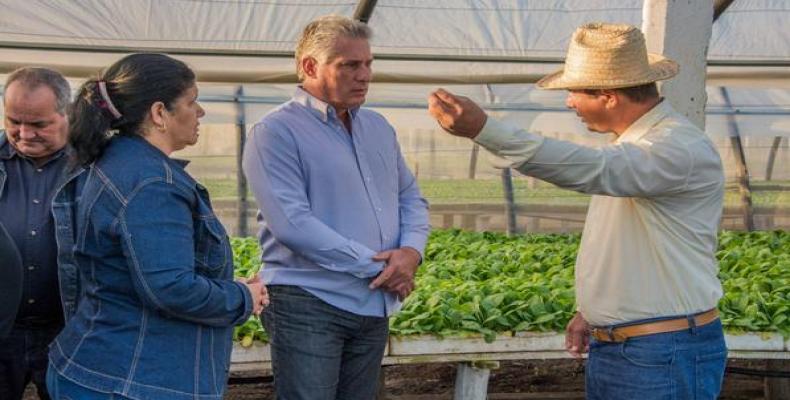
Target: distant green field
(489,191)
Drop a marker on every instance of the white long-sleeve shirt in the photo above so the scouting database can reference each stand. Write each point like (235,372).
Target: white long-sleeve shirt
(649,242)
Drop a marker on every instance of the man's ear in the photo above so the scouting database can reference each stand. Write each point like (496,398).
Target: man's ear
(611,98)
(310,66)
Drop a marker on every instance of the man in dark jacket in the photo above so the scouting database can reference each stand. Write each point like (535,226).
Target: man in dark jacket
(33,161)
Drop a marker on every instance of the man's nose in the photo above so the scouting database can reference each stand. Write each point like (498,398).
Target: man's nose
(365,73)
(26,131)
(569,101)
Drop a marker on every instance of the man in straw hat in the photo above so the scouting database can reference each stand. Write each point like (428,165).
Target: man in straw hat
(646,283)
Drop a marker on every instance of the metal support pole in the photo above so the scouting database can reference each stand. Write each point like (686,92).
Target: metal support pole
(364,10)
(473,160)
(432,155)
(719,6)
(510,204)
(507,178)
(769,169)
(241,179)
(741,171)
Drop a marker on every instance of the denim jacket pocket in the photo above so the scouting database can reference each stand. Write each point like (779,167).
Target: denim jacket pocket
(212,250)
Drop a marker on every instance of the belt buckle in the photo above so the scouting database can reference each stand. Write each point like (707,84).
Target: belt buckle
(608,335)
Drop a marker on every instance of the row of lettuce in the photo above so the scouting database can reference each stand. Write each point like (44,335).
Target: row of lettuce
(488,283)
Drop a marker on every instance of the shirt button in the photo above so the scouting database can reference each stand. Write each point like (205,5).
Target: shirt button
(32,233)
(31,301)
(39,170)
(31,267)
(36,201)
(378,209)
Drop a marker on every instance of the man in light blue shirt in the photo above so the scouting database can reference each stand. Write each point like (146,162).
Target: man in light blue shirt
(343,224)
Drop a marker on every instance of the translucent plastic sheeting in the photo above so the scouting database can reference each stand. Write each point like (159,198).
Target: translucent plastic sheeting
(748,30)
(445,41)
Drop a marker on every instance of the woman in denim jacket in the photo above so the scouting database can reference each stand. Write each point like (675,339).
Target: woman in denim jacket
(158,301)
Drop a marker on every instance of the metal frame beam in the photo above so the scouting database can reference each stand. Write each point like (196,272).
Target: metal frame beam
(364,10)
(719,6)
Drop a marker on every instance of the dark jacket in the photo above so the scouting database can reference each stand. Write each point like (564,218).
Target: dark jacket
(10,282)
(11,273)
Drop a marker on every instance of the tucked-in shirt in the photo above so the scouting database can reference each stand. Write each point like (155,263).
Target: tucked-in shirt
(647,249)
(25,212)
(330,200)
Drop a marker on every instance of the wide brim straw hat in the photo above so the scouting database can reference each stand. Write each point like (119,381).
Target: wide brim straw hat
(609,56)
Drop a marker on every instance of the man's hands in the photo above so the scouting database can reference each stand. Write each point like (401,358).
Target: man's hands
(260,296)
(398,273)
(456,114)
(577,336)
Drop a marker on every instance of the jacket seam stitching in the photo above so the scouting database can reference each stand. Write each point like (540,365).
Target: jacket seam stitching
(108,183)
(197,360)
(151,296)
(84,231)
(69,361)
(90,328)
(137,350)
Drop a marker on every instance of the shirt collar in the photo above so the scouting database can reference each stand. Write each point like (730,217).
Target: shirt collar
(321,109)
(140,141)
(8,151)
(645,122)
(180,161)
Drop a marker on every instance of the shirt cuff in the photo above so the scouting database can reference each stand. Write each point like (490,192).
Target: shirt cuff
(366,267)
(245,293)
(373,269)
(416,243)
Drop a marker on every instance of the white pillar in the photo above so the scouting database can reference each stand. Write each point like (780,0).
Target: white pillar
(681,31)
(471,383)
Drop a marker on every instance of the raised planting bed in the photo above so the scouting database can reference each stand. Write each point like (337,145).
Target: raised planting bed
(482,298)
(491,284)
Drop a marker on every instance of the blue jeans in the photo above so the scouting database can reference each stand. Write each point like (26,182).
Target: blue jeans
(320,352)
(23,358)
(680,365)
(61,388)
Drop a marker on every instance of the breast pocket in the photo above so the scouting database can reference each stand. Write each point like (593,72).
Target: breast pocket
(213,255)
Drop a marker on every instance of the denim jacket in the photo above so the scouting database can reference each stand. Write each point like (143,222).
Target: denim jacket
(156,268)
(67,270)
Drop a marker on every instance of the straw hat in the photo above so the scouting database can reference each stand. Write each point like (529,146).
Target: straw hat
(609,56)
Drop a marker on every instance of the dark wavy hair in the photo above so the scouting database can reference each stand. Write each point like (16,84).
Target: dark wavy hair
(133,84)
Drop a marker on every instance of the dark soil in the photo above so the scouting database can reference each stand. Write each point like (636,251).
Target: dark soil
(548,379)
(556,379)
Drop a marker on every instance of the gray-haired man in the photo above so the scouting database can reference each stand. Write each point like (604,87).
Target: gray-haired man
(33,160)
(343,223)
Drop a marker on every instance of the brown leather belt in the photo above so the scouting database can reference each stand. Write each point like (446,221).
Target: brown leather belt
(621,334)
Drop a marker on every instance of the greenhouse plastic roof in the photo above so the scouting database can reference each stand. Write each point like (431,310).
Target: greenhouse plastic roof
(252,40)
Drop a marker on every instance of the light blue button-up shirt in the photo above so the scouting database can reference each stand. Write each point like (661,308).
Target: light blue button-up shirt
(330,200)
